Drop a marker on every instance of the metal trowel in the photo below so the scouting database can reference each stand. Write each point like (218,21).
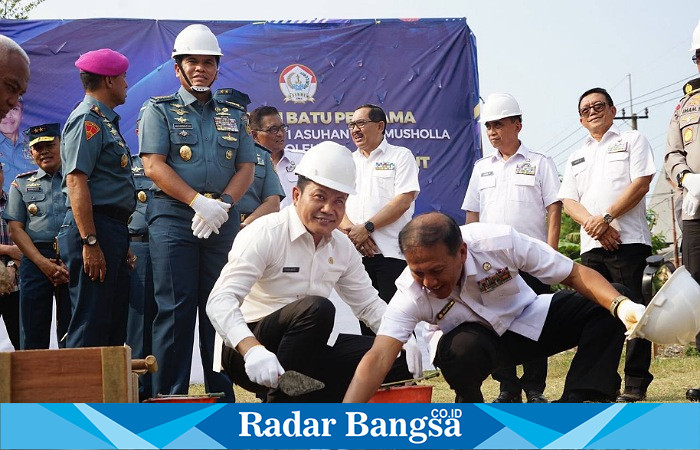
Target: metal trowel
(294,384)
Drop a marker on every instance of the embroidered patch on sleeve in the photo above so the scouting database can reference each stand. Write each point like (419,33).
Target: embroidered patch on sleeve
(91,129)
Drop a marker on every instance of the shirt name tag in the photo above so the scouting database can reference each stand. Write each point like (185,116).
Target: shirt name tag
(578,161)
(617,147)
(182,126)
(501,276)
(290,269)
(486,174)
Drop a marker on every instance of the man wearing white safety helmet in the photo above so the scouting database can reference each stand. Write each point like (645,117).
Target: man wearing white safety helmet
(198,151)
(682,164)
(271,304)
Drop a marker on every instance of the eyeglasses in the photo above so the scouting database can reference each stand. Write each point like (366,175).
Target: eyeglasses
(275,130)
(596,107)
(695,58)
(360,123)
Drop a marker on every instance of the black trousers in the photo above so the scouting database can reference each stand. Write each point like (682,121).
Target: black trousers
(297,334)
(534,372)
(9,311)
(383,272)
(691,253)
(471,352)
(626,266)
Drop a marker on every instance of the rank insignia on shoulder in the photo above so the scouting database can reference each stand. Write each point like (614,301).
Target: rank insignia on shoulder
(235,105)
(163,98)
(14,184)
(96,110)
(688,88)
(31,172)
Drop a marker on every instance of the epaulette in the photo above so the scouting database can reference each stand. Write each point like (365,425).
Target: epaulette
(691,86)
(26,174)
(236,98)
(235,105)
(163,98)
(295,150)
(96,110)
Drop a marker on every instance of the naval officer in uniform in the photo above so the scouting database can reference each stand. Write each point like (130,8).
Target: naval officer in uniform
(199,153)
(35,211)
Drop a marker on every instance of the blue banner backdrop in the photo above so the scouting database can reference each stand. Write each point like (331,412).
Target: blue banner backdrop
(422,72)
(389,426)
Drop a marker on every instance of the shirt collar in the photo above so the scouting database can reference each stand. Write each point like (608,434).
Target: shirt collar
(522,151)
(104,109)
(297,228)
(381,148)
(612,130)
(186,96)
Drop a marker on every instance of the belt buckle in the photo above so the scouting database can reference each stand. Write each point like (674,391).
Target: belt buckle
(208,195)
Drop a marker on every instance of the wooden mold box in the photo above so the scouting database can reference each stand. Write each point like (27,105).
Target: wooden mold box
(76,375)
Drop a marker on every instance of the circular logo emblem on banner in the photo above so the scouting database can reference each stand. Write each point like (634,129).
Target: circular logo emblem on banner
(298,84)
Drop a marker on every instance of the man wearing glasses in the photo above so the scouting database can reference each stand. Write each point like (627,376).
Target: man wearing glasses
(387,186)
(269,132)
(603,189)
(683,166)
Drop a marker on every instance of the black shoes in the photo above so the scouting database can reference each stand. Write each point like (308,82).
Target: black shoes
(693,395)
(535,397)
(509,397)
(632,394)
(584,396)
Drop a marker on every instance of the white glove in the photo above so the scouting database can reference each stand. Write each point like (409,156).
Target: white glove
(690,204)
(200,228)
(213,212)
(691,182)
(414,358)
(262,366)
(630,313)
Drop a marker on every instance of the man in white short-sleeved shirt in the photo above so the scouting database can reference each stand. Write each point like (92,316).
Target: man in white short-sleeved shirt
(603,189)
(518,187)
(465,280)
(270,303)
(387,186)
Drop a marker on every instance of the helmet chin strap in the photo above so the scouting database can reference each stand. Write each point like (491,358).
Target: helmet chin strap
(195,88)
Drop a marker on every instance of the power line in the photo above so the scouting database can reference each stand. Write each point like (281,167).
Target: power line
(675,83)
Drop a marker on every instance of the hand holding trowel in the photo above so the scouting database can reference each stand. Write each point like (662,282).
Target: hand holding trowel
(263,367)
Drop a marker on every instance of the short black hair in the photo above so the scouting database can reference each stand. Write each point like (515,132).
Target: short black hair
(376,114)
(302,182)
(595,90)
(258,113)
(91,81)
(424,231)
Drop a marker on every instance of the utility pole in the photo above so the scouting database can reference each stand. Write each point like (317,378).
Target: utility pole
(633,117)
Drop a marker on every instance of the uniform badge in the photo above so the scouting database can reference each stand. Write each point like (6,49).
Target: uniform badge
(142,196)
(177,105)
(261,161)
(330,260)
(91,129)
(179,112)
(688,135)
(383,165)
(182,126)
(33,209)
(229,154)
(291,167)
(185,152)
(487,266)
(617,147)
(221,111)
(225,124)
(113,131)
(525,168)
(576,162)
(181,119)
(445,309)
(488,284)
(124,161)
(33,187)
(229,138)
(688,88)
(183,133)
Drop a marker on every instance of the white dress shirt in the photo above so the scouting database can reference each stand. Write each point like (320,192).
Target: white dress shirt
(508,305)
(387,172)
(285,168)
(274,262)
(596,175)
(515,192)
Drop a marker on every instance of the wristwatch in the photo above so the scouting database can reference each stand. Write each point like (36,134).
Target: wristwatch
(680,176)
(90,240)
(11,263)
(369,226)
(226,199)
(607,218)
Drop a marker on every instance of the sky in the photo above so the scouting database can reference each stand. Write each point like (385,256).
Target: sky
(545,53)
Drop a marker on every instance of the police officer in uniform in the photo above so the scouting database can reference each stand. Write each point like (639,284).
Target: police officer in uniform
(518,187)
(682,164)
(199,153)
(35,211)
(94,238)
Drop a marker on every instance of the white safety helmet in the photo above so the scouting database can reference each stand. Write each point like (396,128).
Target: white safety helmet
(498,106)
(196,39)
(329,164)
(673,315)
(695,45)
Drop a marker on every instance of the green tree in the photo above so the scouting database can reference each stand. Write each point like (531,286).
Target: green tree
(18,9)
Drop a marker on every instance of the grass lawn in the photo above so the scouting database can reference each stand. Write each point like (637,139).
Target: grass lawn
(675,370)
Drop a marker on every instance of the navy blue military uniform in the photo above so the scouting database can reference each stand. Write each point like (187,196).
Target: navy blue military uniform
(36,201)
(202,144)
(92,144)
(142,304)
(265,183)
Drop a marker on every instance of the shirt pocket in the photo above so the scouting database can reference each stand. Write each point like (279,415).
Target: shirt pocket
(226,151)
(39,200)
(502,292)
(183,149)
(383,183)
(487,181)
(525,189)
(259,171)
(617,166)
